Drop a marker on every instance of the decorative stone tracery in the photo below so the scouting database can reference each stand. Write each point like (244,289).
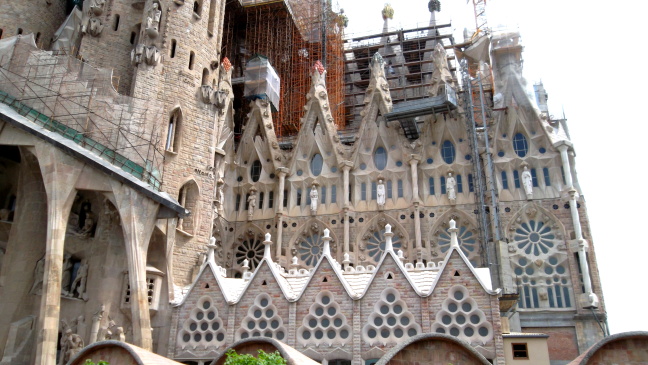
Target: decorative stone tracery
(391,321)
(324,324)
(203,328)
(461,317)
(540,261)
(262,320)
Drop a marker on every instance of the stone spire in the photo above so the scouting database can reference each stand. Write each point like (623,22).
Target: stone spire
(211,247)
(267,243)
(388,238)
(454,241)
(327,243)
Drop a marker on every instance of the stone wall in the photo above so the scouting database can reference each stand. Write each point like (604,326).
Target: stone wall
(43,17)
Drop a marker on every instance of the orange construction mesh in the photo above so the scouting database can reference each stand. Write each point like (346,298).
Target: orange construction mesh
(290,37)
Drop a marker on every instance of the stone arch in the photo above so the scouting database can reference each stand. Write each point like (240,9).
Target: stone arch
(622,348)
(116,352)
(372,238)
(468,233)
(189,198)
(269,345)
(247,243)
(540,260)
(309,236)
(433,348)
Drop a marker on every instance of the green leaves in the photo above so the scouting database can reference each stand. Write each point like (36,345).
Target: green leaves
(89,362)
(263,359)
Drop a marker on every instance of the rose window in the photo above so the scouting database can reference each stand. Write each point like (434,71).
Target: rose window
(467,241)
(534,238)
(376,244)
(252,250)
(310,249)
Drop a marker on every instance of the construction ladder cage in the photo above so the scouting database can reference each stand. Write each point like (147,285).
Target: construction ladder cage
(78,102)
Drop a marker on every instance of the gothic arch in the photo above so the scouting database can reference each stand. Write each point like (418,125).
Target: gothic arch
(468,236)
(174,130)
(369,245)
(533,209)
(189,197)
(307,243)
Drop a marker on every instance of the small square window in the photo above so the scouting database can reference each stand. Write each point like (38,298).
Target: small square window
(520,351)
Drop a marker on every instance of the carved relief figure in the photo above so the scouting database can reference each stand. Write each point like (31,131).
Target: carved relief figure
(67,274)
(527,182)
(79,283)
(314,197)
(380,191)
(451,185)
(153,17)
(251,203)
(39,272)
(441,75)
(71,344)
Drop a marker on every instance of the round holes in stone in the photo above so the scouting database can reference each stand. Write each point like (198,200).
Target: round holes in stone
(203,327)
(324,324)
(262,320)
(390,320)
(460,317)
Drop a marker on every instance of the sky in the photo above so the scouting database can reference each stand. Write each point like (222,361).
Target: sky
(588,54)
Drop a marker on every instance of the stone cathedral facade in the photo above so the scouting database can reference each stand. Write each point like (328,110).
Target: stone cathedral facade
(131,209)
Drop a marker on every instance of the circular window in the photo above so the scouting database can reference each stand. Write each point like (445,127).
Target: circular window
(520,145)
(255,170)
(448,152)
(380,158)
(399,163)
(316,164)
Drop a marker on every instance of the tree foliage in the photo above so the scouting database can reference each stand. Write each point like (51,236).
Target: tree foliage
(90,362)
(263,359)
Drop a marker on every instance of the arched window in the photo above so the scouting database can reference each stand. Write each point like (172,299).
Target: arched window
(255,170)
(116,22)
(191,60)
(316,164)
(504,180)
(448,152)
(132,37)
(205,76)
(173,48)
(38,35)
(212,17)
(520,145)
(380,158)
(197,8)
(188,197)
(19,31)
(173,131)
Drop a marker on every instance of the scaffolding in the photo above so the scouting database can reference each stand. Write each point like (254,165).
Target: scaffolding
(77,101)
(408,64)
(293,35)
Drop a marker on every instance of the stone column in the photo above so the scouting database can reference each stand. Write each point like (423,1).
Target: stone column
(414,160)
(60,173)
(579,244)
(417,225)
(282,172)
(346,230)
(346,167)
(138,215)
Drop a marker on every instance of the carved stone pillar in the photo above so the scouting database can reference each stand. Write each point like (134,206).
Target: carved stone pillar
(588,299)
(346,230)
(346,167)
(417,225)
(282,172)
(414,160)
(60,173)
(138,215)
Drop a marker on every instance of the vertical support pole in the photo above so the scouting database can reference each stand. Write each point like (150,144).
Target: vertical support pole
(282,172)
(59,176)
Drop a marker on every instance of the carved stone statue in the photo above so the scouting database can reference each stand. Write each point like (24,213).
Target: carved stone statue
(441,74)
(79,283)
(96,6)
(87,221)
(380,194)
(451,185)
(71,344)
(66,277)
(527,182)
(153,17)
(251,203)
(95,27)
(314,197)
(39,272)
